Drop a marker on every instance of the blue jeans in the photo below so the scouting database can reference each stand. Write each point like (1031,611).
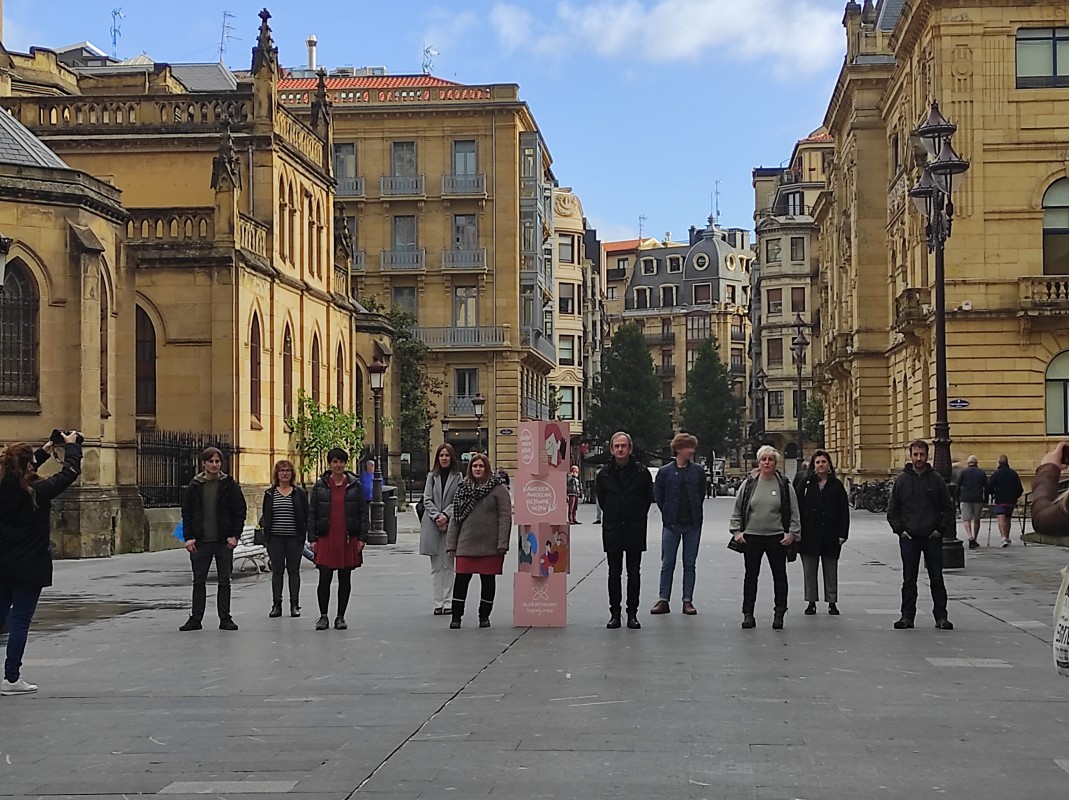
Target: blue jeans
(691,536)
(21,603)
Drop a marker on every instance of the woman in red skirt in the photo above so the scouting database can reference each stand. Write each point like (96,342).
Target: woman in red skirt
(337,524)
(479,533)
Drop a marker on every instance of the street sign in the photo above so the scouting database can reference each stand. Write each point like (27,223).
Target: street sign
(958,404)
(406,458)
(505,432)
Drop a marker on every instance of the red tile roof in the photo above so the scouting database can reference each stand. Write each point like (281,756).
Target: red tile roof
(367,82)
(626,245)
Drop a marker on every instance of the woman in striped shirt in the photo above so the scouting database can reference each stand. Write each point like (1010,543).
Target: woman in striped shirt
(285,520)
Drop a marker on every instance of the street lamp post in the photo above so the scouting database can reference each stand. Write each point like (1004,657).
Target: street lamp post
(377,377)
(799,345)
(760,390)
(478,403)
(933,198)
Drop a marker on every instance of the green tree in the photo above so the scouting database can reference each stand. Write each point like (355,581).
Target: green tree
(813,419)
(627,395)
(417,387)
(316,430)
(711,411)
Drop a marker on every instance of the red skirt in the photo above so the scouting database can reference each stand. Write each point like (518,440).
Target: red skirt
(333,552)
(480,565)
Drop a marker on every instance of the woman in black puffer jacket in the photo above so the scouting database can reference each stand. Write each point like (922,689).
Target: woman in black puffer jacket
(25,546)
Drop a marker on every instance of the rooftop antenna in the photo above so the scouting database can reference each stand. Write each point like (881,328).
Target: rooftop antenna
(116,30)
(225,34)
(641,225)
(716,211)
(428,58)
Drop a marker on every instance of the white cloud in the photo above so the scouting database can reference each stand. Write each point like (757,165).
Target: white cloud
(613,231)
(448,31)
(792,36)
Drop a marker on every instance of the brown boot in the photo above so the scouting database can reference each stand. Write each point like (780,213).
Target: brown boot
(661,607)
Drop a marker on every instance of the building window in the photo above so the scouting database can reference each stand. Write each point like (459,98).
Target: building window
(775,302)
(668,296)
(698,327)
(255,364)
(737,333)
(774,353)
(797,248)
(896,154)
(566,351)
(464,157)
(566,402)
(675,263)
(773,254)
(339,379)
(798,299)
(566,248)
(610,293)
(105,340)
(649,266)
(404,233)
(703,293)
(692,357)
(403,159)
(1056,228)
(1057,390)
(701,262)
(621,264)
(775,405)
(287,373)
(465,232)
(316,368)
(404,297)
(464,306)
(731,292)
(345,160)
(1042,58)
(642,297)
(358,390)
(736,359)
(566,298)
(466,382)
(144,362)
(795,207)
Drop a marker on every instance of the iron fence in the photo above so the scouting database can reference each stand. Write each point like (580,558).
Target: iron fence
(168,460)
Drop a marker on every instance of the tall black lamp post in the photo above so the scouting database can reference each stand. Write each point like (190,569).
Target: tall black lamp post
(759,392)
(933,197)
(377,377)
(478,403)
(798,346)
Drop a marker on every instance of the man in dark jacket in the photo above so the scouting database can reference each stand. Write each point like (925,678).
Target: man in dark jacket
(624,489)
(679,490)
(1005,489)
(972,490)
(213,514)
(921,512)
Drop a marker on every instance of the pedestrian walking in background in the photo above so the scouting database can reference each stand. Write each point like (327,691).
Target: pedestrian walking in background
(825,516)
(679,491)
(766,521)
(438,494)
(574,490)
(337,525)
(25,545)
(624,490)
(479,533)
(1050,510)
(972,492)
(284,519)
(213,515)
(367,480)
(921,511)
(1005,489)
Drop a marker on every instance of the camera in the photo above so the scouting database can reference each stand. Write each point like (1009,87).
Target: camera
(56,437)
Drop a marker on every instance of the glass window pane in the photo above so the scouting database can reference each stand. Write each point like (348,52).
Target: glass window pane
(1057,194)
(1056,422)
(1035,59)
(464,158)
(404,159)
(1056,253)
(404,233)
(1034,33)
(345,160)
(465,232)
(1056,219)
(1058,367)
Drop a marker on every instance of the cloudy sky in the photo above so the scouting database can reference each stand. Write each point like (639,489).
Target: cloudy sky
(645,104)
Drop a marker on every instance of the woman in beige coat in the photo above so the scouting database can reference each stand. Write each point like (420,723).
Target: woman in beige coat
(478,536)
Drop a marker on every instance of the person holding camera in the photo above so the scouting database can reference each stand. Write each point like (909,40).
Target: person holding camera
(25,546)
(1050,509)
(213,514)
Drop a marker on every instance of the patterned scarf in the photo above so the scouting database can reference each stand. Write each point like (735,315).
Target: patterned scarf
(469,494)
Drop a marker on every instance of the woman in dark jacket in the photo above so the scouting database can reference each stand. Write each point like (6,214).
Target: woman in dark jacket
(825,512)
(337,525)
(25,547)
(284,519)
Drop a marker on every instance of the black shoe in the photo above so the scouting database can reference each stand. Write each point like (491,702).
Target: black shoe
(339,623)
(811,609)
(295,609)
(974,545)
(227,624)
(748,621)
(614,621)
(944,624)
(577,522)
(632,621)
(454,623)
(777,619)
(276,610)
(833,609)
(597,522)
(484,622)
(322,623)
(903,624)
(192,624)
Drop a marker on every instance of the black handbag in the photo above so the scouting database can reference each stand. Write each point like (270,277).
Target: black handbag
(259,536)
(420,509)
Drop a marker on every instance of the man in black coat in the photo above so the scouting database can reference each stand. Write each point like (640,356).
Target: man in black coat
(624,489)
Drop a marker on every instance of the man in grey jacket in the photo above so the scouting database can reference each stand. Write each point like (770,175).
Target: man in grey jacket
(920,513)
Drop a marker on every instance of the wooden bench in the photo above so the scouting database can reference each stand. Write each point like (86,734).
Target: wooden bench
(247,550)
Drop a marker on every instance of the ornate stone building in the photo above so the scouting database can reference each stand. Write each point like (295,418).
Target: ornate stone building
(575,347)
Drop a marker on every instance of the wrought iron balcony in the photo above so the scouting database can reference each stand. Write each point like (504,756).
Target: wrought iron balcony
(402,186)
(460,405)
(738,336)
(464,185)
(482,336)
(665,370)
(350,187)
(404,260)
(660,337)
(464,259)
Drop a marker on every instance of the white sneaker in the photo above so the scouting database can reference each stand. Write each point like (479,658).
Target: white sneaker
(21,686)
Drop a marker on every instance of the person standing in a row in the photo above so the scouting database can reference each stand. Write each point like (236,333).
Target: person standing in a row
(284,519)
(825,516)
(624,489)
(680,494)
(479,534)
(438,494)
(1005,489)
(337,524)
(972,490)
(574,489)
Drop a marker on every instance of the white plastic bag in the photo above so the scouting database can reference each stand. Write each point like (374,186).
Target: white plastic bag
(1061,626)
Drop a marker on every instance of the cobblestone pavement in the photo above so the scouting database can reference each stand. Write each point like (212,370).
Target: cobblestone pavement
(399,707)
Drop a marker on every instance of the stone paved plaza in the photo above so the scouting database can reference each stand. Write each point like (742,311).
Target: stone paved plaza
(399,707)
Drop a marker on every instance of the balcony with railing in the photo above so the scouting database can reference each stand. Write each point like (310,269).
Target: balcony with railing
(350,187)
(404,260)
(738,369)
(738,335)
(616,274)
(461,405)
(358,261)
(533,408)
(464,259)
(534,338)
(660,337)
(665,370)
(402,186)
(464,185)
(1044,294)
(482,336)
(911,309)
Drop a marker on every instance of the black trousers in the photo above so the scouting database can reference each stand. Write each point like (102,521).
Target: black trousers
(488,586)
(201,560)
(932,548)
(757,548)
(634,580)
(285,553)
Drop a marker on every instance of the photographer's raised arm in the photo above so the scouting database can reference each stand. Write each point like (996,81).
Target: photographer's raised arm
(1050,512)
(50,488)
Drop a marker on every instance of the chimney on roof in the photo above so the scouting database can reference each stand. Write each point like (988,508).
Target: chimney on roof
(311,42)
